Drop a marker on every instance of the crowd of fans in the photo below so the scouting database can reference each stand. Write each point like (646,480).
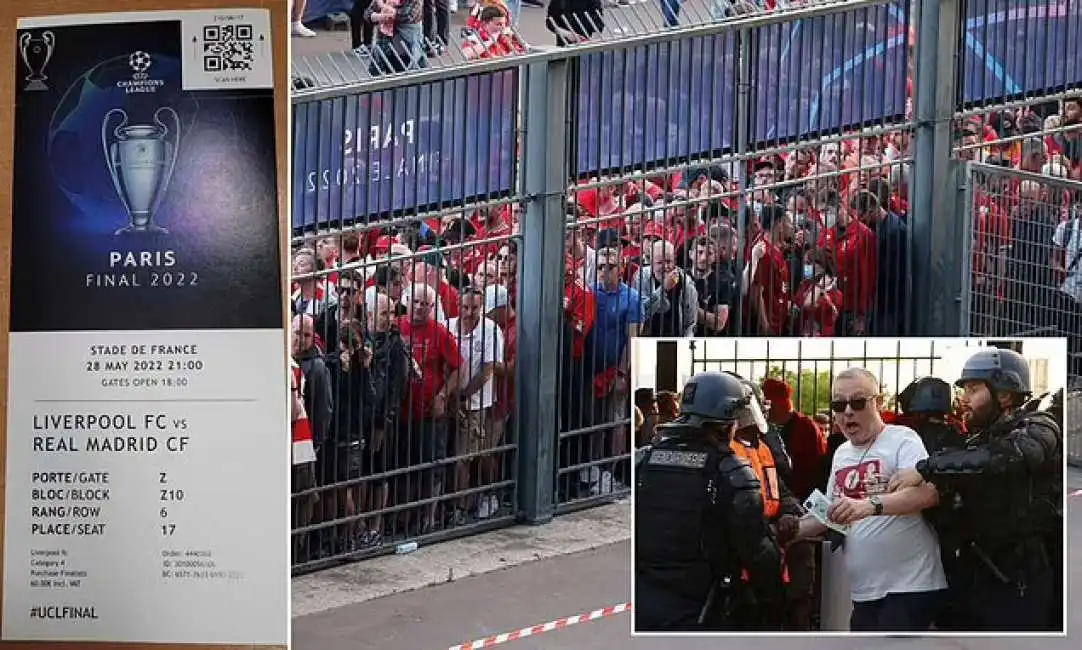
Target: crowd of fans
(406,334)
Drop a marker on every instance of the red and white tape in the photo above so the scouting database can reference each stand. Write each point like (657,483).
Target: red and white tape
(558,624)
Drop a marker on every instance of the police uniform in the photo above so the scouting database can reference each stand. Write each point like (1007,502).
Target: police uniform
(699,519)
(926,404)
(1005,500)
(770,462)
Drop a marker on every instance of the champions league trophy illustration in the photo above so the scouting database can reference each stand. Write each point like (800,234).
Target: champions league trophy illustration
(36,53)
(141,160)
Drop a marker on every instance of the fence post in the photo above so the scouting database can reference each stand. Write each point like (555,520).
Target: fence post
(540,297)
(745,69)
(934,264)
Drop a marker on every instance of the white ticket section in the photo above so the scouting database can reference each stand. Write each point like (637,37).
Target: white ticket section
(222,49)
(147,487)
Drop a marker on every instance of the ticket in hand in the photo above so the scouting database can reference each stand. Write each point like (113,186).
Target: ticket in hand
(817,505)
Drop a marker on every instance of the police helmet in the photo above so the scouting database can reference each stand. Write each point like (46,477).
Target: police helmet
(713,397)
(1003,370)
(752,413)
(926,395)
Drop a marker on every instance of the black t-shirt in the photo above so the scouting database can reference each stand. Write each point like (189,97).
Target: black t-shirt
(1029,268)
(718,287)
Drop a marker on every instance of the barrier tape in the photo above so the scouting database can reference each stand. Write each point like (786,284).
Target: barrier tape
(559,624)
(534,630)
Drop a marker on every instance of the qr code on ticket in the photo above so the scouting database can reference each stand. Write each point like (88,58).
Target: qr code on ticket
(228,48)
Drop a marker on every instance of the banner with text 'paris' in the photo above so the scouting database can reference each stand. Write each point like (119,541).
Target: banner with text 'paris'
(409,149)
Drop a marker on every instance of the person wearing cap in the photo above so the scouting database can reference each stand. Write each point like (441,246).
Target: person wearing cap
(1007,489)
(807,450)
(780,508)
(699,519)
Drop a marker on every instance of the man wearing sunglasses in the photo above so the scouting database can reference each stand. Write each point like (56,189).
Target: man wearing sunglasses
(1008,499)
(699,519)
(892,555)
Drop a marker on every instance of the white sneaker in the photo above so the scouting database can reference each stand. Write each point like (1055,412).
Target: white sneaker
(299,29)
(484,509)
(495,501)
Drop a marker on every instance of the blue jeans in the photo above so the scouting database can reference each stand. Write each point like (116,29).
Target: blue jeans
(515,7)
(414,38)
(670,9)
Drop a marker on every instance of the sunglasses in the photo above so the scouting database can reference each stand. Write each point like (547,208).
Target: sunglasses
(858,404)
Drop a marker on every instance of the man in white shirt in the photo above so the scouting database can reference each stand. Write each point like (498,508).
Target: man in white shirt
(891,552)
(1067,260)
(480,342)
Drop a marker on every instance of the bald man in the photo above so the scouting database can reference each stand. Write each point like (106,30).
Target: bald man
(318,398)
(892,553)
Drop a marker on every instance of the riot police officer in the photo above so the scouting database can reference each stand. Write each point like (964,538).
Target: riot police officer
(1004,492)
(699,518)
(926,404)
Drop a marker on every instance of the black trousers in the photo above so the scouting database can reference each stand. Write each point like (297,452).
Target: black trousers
(360,30)
(909,612)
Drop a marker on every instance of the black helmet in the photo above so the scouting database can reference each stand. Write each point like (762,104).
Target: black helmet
(1003,371)
(713,397)
(926,395)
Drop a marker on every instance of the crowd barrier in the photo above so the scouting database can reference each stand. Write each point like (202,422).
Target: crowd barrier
(688,116)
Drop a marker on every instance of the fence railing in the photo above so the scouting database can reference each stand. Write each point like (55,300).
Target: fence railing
(789,136)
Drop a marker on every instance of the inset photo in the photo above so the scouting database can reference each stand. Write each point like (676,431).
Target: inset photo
(864,486)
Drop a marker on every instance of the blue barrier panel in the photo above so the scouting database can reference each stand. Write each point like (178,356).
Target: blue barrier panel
(830,73)
(1014,48)
(659,103)
(409,149)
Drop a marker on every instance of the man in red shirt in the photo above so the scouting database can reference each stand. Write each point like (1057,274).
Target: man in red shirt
(854,247)
(579,313)
(430,270)
(434,381)
(769,293)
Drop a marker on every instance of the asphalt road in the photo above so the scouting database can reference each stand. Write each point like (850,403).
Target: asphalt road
(439,617)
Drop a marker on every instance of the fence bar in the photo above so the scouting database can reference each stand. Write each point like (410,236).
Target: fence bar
(538,367)
(937,41)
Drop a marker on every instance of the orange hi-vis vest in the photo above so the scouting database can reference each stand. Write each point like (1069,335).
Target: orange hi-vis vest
(762,463)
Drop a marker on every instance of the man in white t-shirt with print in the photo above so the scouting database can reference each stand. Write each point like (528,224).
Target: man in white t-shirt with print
(480,342)
(891,553)
(1067,260)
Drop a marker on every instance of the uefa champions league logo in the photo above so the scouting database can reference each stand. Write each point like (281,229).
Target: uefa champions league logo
(140,63)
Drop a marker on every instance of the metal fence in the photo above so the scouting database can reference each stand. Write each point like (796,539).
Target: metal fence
(1073,420)
(1022,274)
(757,173)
